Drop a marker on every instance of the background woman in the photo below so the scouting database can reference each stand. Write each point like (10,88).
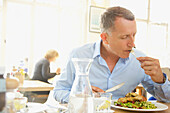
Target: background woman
(42,67)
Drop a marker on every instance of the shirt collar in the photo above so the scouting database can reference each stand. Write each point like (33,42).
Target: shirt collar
(124,60)
(97,51)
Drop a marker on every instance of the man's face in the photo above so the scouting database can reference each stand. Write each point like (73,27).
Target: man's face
(122,37)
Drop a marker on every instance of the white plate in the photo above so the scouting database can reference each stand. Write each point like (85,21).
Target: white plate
(36,107)
(160,107)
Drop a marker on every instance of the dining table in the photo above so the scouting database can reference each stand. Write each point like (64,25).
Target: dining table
(48,109)
(35,85)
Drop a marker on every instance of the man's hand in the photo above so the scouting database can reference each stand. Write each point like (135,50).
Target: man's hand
(96,89)
(152,68)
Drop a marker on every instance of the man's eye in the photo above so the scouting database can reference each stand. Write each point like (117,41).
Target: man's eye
(124,37)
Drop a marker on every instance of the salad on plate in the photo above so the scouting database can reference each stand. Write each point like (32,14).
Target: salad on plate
(134,101)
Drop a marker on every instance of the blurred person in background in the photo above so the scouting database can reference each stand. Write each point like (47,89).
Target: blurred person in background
(42,67)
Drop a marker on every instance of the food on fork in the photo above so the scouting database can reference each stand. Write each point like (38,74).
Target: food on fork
(133,100)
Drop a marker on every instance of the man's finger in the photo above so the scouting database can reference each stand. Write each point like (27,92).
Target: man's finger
(141,59)
(96,89)
(147,63)
(150,73)
(147,68)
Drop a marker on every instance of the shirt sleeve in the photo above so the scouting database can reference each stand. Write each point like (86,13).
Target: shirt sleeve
(46,71)
(64,83)
(160,91)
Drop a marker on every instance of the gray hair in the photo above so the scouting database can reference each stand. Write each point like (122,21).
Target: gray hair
(109,16)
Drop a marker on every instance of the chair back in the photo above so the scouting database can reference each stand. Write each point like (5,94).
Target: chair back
(166,70)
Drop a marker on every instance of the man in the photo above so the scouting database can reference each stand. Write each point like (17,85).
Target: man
(113,62)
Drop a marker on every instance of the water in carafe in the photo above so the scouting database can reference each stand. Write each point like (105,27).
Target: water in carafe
(81,96)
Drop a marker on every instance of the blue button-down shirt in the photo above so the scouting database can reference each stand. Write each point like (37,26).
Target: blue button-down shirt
(126,70)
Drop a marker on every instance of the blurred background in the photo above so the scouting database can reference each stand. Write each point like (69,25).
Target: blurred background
(28,28)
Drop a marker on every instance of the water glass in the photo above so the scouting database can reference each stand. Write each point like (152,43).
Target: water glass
(102,102)
(20,103)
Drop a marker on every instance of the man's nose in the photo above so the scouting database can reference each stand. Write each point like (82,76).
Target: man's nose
(131,42)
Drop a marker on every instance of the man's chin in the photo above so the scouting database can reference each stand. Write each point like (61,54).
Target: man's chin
(124,56)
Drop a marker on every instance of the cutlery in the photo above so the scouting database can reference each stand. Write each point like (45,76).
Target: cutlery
(114,88)
(133,53)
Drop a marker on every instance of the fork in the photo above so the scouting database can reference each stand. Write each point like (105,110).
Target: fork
(132,51)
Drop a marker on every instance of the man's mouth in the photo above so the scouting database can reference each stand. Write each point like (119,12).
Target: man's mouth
(128,51)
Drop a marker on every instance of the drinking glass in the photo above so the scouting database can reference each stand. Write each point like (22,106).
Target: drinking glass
(20,103)
(102,102)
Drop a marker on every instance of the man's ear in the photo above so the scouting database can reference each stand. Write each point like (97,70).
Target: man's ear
(104,37)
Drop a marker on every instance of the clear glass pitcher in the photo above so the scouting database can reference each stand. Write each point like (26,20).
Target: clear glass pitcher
(81,96)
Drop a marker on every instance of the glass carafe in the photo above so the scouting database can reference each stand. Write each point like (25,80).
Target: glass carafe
(81,96)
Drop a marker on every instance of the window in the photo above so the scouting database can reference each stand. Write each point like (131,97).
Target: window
(17,32)
(138,7)
(35,26)
(1,4)
(157,35)
(45,30)
(141,36)
(159,10)
(1,35)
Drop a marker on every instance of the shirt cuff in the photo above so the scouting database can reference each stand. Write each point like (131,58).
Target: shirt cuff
(162,84)
(65,99)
